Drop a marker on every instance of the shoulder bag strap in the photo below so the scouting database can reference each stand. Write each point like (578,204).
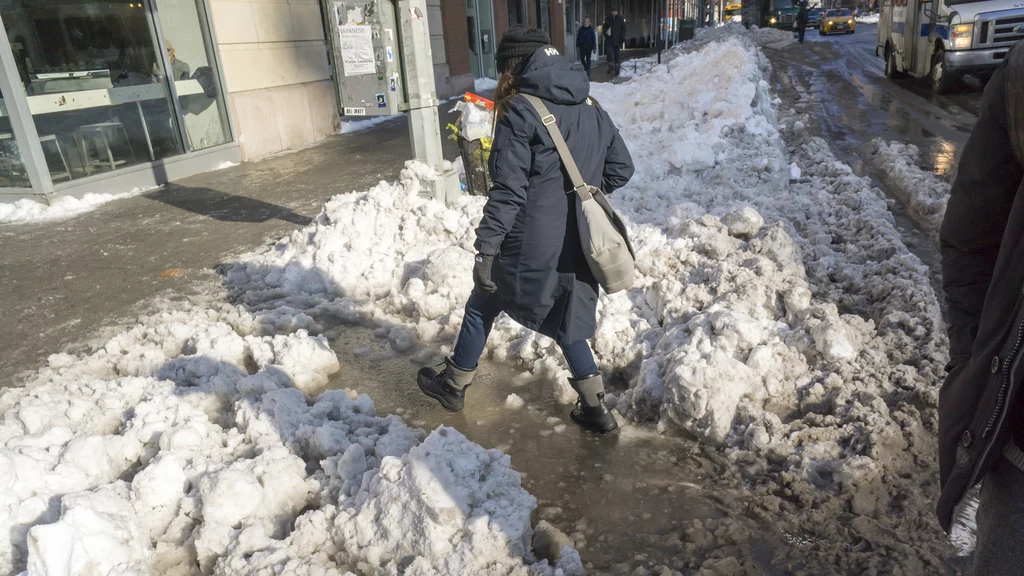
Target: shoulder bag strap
(1015,99)
(548,119)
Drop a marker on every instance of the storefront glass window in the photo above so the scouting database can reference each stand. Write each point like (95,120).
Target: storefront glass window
(544,15)
(516,12)
(12,167)
(190,50)
(95,83)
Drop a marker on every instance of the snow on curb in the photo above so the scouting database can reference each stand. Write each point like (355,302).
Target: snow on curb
(352,126)
(484,85)
(923,193)
(27,211)
(188,441)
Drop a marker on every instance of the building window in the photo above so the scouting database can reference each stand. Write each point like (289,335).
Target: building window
(190,51)
(517,12)
(99,81)
(544,15)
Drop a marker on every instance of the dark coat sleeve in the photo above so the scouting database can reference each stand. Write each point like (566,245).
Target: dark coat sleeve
(976,215)
(618,164)
(510,173)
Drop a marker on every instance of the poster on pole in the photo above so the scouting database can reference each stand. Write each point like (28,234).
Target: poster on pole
(357,50)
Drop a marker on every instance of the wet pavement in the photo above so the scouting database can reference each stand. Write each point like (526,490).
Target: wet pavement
(625,499)
(840,82)
(62,282)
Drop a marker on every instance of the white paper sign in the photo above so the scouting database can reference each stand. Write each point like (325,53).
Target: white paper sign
(357,50)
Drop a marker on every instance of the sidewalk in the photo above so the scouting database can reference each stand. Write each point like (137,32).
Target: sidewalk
(62,281)
(599,69)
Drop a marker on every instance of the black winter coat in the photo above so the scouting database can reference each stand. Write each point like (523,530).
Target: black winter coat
(586,38)
(530,221)
(802,16)
(982,244)
(617,25)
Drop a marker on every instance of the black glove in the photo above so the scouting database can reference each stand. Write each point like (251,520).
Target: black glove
(482,273)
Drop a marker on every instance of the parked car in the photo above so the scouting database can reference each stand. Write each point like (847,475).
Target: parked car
(814,18)
(837,21)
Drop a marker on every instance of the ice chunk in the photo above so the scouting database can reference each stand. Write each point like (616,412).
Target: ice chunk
(514,402)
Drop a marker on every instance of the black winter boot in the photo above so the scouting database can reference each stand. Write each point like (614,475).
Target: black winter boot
(590,412)
(447,387)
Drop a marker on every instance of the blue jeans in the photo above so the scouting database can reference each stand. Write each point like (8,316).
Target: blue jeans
(481,310)
(614,55)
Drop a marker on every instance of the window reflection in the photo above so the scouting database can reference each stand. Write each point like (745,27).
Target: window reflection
(93,79)
(193,67)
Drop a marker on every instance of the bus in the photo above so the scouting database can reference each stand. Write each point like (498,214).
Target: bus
(944,40)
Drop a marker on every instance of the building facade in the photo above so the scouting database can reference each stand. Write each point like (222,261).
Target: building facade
(111,95)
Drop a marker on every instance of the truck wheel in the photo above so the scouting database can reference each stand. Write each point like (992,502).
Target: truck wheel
(941,81)
(891,72)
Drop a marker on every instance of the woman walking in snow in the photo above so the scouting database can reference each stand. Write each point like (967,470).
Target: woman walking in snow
(530,262)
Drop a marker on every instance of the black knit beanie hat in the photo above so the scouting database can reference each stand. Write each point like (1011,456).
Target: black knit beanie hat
(517,44)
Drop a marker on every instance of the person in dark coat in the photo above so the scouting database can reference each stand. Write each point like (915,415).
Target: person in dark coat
(614,34)
(981,429)
(586,43)
(530,262)
(801,20)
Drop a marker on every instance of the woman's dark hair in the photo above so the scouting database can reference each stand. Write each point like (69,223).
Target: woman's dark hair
(508,87)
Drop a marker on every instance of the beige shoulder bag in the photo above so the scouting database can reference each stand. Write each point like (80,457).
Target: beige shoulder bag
(602,232)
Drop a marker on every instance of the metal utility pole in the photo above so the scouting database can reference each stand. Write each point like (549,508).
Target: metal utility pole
(424,126)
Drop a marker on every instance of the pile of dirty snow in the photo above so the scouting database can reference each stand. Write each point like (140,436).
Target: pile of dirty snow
(868,19)
(783,321)
(192,444)
(484,86)
(922,192)
(764,37)
(28,211)
(347,126)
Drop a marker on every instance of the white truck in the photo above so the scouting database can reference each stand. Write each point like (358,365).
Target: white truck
(944,40)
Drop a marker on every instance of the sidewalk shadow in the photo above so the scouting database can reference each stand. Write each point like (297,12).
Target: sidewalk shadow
(223,206)
(267,394)
(284,298)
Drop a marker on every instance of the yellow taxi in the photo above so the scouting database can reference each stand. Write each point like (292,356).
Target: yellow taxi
(837,21)
(734,13)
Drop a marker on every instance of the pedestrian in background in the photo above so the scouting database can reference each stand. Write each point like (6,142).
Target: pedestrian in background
(614,33)
(530,262)
(586,42)
(801,20)
(981,409)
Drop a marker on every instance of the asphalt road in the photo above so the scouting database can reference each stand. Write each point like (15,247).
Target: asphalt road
(840,83)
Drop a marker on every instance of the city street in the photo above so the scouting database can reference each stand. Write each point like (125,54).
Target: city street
(222,371)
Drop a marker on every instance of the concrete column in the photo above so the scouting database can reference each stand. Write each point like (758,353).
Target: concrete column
(424,127)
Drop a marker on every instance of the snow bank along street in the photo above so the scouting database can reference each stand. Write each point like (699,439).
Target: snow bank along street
(781,322)
(922,192)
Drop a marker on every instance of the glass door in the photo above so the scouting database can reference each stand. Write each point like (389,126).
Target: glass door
(13,173)
(572,24)
(485,8)
(473,26)
(189,54)
(480,24)
(544,15)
